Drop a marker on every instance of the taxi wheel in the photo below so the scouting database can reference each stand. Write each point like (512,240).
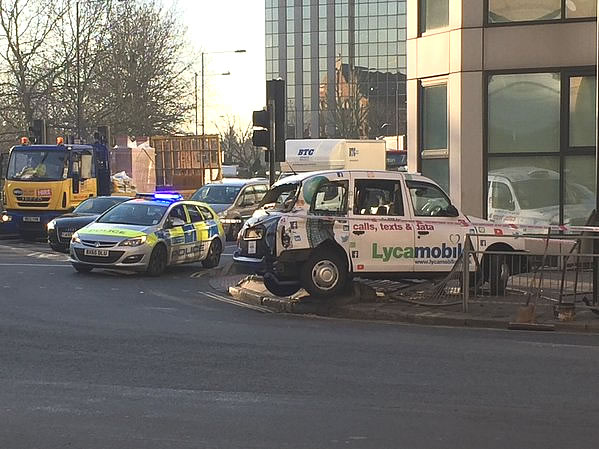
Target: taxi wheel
(499,274)
(325,273)
(213,258)
(157,263)
(80,268)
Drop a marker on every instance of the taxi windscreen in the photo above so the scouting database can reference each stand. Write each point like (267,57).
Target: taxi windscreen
(134,214)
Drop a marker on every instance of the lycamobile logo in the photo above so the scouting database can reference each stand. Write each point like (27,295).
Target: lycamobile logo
(418,252)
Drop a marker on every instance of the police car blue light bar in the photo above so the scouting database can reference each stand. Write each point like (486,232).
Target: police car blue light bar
(168,196)
(160,196)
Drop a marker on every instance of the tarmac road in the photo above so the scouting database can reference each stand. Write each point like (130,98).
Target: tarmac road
(111,360)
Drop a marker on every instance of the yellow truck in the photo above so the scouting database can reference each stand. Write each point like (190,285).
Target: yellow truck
(42,182)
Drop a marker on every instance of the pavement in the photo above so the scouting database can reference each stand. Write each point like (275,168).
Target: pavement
(116,360)
(370,302)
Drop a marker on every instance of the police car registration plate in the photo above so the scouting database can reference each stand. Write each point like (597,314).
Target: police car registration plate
(32,219)
(66,235)
(96,252)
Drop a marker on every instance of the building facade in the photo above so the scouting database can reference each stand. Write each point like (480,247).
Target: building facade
(501,105)
(344,64)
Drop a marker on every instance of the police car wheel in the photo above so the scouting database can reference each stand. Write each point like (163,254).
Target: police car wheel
(80,268)
(325,273)
(213,258)
(157,263)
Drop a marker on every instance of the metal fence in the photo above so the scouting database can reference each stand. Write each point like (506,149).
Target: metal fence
(561,279)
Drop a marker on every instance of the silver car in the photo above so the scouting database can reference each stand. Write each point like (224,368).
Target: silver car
(148,234)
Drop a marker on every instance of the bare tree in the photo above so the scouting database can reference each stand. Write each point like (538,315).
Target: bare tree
(28,63)
(237,146)
(141,87)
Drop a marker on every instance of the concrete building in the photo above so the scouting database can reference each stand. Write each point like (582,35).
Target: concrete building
(501,101)
(343,62)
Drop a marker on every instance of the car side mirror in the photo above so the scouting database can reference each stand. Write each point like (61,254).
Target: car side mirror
(452,211)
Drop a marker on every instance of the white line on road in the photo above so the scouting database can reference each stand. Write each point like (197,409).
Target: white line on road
(236,303)
(33,265)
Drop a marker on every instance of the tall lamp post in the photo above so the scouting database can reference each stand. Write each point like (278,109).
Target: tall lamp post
(203,98)
(195,90)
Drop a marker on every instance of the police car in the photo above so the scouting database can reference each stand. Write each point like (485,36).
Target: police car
(316,230)
(148,234)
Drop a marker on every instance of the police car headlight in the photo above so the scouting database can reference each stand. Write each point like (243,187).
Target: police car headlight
(75,238)
(137,241)
(5,218)
(51,225)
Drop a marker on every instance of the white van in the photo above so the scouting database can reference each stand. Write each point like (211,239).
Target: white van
(316,230)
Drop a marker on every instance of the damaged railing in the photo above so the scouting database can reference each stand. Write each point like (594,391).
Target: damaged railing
(559,278)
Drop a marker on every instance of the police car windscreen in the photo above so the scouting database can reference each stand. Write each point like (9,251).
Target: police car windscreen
(134,214)
(217,194)
(36,165)
(96,205)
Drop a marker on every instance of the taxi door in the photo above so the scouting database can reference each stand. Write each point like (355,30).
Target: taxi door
(439,228)
(380,240)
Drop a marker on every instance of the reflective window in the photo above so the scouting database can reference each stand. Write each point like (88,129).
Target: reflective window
(436,169)
(434,14)
(523,10)
(524,113)
(434,117)
(582,111)
(534,184)
(581,8)
(579,191)
(504,11)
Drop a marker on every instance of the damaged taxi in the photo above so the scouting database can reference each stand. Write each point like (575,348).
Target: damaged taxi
(317,230)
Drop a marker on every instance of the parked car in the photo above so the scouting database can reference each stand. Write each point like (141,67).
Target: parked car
(234,200)
(61,229)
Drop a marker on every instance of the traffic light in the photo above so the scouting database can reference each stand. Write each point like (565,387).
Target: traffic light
(261,137)
(38,131)
(103,135)
(275,95)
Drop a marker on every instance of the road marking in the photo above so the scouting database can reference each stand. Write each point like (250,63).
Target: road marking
(236,303)
(33,265)
(198,274)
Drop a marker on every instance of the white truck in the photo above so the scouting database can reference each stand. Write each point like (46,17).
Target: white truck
(333,154)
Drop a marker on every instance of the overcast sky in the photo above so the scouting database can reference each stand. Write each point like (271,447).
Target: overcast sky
(222,25)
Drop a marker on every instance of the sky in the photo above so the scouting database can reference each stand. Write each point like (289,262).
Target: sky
(224,25)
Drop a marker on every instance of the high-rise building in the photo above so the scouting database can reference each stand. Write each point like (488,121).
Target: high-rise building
(344,64)
(501,105)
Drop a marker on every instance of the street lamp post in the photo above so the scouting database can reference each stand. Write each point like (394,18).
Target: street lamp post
(596,214)
(203,76)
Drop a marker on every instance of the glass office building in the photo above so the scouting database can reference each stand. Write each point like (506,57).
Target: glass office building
(344,64)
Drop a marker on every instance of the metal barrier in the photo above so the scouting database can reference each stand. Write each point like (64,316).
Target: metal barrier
(561,279)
